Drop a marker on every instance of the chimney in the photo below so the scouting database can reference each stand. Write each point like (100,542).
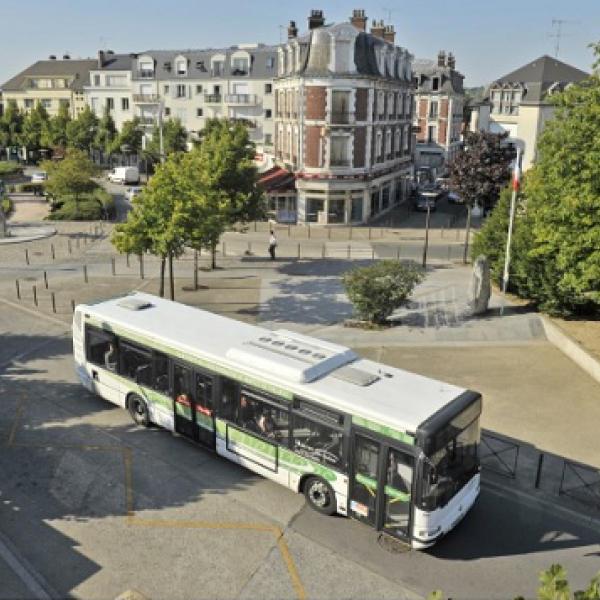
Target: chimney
(451,61)
(100,59)
(389,35)
(292,30)
(359,20)
(316,19)
(441,58)
(52,57)
(377,29)
(66,57)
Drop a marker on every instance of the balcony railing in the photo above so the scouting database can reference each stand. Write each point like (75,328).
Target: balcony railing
(146,74)
(342,118)
(146,98)
(213,98)
(147,120)
(340,162)
(240,98)
(247,122)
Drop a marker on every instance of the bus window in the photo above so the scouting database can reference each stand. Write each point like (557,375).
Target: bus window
(161,373)
(98,345)
(316,441)
(136,364)
(229,396)
(204,391)
(256,414)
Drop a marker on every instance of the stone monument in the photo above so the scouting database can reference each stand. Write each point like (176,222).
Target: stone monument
(480,287)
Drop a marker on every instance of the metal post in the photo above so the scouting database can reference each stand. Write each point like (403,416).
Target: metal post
(112,261)
(539,470)
(26,256)
(69,244)
(52,251)
(85,273)
(73,305)
(46,279)
(141,266)
(127,259)
(18,289)
(53,302)
(35,300)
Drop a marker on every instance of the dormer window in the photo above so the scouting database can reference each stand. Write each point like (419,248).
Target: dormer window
(167,66)
(435,84)
(240,66)
(181,65)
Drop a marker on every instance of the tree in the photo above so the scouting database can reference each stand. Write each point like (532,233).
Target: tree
(55,132)
(480,172)
(35,124)
(106,132)
(129,140)
(71,176)
(559,265)
(11,125)
(81,132)
(174,139)
(377,290)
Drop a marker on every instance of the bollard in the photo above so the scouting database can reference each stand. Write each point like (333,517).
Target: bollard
(127,258)
(141,267)
(26,256)
(73,305)
(46,279)
(53,302)
(52,251)
(85,273)
(18,289)
(35,300)
(69,244)
(112,260)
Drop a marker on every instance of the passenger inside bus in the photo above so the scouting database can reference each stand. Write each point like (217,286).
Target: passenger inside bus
(266,425)
(110,357)
(246,414)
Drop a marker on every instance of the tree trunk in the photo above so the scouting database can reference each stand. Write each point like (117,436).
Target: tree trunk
(161,287)
(214,257)
(196,257)
(467,233)
(2,222)
(171,278)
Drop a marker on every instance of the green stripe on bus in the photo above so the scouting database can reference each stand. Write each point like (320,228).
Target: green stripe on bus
(372,483)
(383,430)
(211,366)
(394,493)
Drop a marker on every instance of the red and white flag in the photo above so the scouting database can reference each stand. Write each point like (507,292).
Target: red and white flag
(517,171)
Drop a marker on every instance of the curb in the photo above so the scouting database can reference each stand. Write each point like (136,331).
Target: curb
(570,348)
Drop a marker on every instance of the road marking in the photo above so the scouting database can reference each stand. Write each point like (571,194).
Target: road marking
(132,521)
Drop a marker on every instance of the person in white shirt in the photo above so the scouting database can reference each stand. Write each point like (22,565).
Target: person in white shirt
(272,245)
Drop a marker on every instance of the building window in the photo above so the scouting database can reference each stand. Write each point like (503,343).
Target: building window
(166,89)
(116,81)
(268,113)
(217,68)
(180,91)
(433,110)
(124,103)
(199,112)
(110,103)
(339,152)
(181,67)
(435,84)
(240,66)
(431,134)
(268,139)
(198,89)
(270,62)
(94,104)
(96,80)
(268,88)
(29,104)
(46,103)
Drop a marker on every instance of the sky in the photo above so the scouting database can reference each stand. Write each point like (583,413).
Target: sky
(488,38)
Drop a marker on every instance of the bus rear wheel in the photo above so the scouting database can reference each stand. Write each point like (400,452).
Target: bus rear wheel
(320,496)
(138,409)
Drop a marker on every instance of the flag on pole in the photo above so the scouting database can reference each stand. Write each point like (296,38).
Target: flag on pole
(517,171)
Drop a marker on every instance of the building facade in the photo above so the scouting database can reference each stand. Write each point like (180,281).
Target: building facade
(439,103)
(343,120)
(518,103)
(52,83)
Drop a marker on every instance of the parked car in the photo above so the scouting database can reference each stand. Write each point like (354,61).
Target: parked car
(124,175)
(39,176)
(431,190)
(454,198)
(132,192)
(424,203)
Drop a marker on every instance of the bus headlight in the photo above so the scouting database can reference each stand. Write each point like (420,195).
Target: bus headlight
(430,532)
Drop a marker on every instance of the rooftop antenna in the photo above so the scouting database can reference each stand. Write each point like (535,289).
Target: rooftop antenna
(389,12)
(558,23)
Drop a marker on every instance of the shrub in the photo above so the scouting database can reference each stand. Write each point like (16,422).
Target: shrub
(8,170)
(7,205)
(377,290)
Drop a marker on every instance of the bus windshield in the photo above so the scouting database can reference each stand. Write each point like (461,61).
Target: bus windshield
(454,462)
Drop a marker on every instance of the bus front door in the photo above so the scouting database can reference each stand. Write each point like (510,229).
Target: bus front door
(193,405)
(380,494)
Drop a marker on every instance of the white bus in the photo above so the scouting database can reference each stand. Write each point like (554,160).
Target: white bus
(395,450)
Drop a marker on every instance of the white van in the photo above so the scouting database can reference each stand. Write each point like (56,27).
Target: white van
(124,175)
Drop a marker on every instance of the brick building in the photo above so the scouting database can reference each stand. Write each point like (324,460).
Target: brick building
(343,119)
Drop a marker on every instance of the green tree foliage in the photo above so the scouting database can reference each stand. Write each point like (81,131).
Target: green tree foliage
(480,172)
(377,290)
(55,132)
(106,132)
(70,177)
(35,124)
(129,140)
(81,132)
(11,125)
(174,139)
(559,265)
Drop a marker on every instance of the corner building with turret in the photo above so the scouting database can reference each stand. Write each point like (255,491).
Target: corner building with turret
(343,120)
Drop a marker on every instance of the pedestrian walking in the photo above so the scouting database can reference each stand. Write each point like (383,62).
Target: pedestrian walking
(272,244)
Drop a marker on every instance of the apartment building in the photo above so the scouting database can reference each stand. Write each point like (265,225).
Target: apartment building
(518,103)
(53,82)
(439,102)
(195,85)
(344,99)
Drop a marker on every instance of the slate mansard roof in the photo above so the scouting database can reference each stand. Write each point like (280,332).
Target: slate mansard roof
(76,70)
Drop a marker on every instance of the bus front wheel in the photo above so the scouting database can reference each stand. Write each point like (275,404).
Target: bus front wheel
(138,409)
(320,496)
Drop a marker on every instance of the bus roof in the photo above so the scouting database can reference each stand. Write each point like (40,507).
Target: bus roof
(280,360)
